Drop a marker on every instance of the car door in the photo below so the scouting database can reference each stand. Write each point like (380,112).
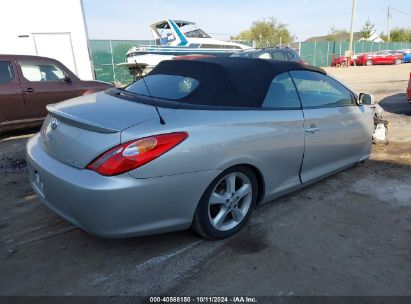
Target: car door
(11,98)
(44,82)
(284,158)
(384,58)
(337,130)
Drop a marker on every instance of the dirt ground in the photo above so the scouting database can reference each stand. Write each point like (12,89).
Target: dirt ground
(347,235)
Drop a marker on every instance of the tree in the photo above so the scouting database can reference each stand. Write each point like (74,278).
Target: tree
(266,32)
(368,29)
(244,35)
(334,33)
(399,35)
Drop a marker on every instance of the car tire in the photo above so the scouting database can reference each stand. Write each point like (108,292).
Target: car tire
(397,61)
(226,204)
(369,62)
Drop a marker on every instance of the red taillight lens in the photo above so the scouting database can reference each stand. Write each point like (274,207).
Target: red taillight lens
(135,153)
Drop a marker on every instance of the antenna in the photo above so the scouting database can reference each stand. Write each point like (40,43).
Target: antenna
(162,121)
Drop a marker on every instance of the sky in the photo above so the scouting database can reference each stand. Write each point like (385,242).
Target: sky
(130,19)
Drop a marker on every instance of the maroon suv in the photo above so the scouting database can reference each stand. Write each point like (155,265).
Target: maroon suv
(29,83)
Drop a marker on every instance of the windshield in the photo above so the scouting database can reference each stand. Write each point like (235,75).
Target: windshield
(172,87)
(192,31)
(197,34)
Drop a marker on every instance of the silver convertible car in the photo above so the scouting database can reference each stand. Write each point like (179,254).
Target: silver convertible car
(195,143)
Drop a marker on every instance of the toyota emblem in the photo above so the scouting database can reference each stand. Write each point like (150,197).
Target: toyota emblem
(54,123)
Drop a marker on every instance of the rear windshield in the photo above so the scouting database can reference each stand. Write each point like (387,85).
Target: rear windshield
(172,87)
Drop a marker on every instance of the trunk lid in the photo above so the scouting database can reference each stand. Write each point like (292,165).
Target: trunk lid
(78,130)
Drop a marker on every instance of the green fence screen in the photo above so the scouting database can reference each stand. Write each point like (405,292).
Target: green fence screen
(107,54)
(320,53)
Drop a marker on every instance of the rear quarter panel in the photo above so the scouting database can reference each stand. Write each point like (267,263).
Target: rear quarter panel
(270,141)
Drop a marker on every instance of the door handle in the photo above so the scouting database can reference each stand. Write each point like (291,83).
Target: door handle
(312,129)
(28,90)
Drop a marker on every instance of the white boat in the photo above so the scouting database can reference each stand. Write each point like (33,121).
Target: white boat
(178,38)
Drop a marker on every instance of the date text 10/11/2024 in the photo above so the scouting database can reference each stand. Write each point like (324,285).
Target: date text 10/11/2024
(238,299)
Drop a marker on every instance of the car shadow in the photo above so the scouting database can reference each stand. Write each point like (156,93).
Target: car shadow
(396,104)
(19,132)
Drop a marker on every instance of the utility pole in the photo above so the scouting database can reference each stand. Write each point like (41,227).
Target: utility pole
(351,32)
(388,24)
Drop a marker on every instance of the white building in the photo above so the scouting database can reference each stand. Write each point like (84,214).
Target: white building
(50,28)
(374,38)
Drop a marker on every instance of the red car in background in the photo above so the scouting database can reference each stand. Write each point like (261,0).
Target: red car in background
(341,61)
(379,58)
(409,90)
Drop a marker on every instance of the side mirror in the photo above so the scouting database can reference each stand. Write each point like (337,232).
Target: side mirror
(365,99)
(67,79)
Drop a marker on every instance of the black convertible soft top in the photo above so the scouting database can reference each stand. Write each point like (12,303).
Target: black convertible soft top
(229,81)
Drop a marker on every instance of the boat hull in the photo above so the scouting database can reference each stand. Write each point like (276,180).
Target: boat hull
(152,57)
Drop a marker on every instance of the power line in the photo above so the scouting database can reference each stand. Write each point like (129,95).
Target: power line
(393,21)
(400,11)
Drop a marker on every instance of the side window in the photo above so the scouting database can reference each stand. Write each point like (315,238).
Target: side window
(264,56)
(41,71)
(243,54)
(321,91)
(282,94)
(6,72)
(278,55)
(291,56)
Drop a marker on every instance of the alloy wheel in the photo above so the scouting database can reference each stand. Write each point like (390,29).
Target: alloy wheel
(230,201)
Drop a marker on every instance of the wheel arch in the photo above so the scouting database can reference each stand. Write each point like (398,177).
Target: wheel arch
(258,175)
(260,181)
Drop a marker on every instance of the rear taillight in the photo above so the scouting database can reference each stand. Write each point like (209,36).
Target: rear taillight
(302,62)
(135,153)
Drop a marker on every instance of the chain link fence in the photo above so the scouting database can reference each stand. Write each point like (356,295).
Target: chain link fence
(320,53)
(107,54)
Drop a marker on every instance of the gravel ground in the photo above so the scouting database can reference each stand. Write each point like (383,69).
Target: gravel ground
(347,235)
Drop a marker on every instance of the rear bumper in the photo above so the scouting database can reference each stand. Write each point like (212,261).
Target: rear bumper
(119,206)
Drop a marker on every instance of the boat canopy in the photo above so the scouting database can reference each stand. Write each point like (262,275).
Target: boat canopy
(170,30)
(164,24)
